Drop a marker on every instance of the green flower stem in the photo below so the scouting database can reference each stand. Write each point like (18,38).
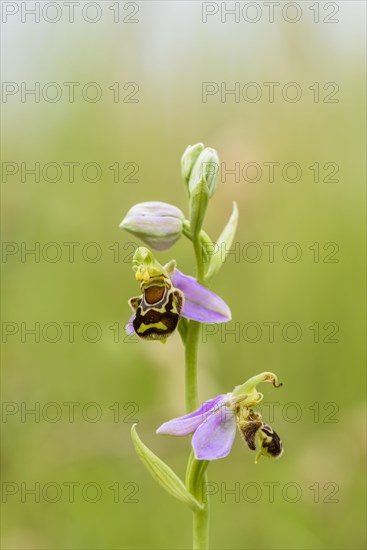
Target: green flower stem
(201,525)
(195,483)
(182,329)
(196,468)
(199,259)
(191,353)
(202,244)
(196,474)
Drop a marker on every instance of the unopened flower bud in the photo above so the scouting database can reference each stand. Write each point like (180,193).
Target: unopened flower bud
(206,169)
(189,159)
(157,224)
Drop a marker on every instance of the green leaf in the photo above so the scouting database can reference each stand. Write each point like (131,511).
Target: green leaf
(223,244)
(163,473)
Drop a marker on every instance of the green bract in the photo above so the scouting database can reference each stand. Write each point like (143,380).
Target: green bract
(163,473)
(216,252)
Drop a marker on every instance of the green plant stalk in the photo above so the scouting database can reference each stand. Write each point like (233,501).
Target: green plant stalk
(201,523)
(191,354)
(199,259)
(195,482)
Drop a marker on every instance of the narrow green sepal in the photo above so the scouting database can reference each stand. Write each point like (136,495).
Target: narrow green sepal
(163,474)
(216,252)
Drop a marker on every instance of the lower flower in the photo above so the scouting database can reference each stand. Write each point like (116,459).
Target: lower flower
(214,424)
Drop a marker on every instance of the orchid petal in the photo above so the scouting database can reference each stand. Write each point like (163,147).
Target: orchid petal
(214,438)
(129,329)
(190,422)
(201,304)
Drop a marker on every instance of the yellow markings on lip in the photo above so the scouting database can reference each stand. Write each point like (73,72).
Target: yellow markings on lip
(143,327)
(142,275)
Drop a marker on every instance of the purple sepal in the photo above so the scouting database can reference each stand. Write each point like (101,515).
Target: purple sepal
(129,329)
(214,438)
(201,304)
(190,422)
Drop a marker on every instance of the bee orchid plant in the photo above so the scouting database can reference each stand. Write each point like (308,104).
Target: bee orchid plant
(170,300)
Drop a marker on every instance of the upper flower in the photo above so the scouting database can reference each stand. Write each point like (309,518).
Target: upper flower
(168,295)
(157,224)
(214,423)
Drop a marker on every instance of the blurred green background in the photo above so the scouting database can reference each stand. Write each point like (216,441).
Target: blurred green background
(319,482)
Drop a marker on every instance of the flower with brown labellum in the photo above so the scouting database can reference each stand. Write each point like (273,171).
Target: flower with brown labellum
(167,295)
(214,424)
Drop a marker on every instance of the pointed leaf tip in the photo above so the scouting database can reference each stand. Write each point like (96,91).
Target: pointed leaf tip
(163,474)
